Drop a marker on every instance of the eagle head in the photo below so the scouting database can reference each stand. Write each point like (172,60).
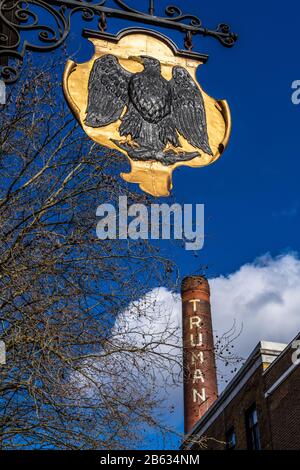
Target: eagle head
(180,74)
(146,61)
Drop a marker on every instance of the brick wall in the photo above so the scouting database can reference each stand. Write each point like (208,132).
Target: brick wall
(234,416)
(284,404)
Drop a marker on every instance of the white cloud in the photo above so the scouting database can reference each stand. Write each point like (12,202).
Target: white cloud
(263,296)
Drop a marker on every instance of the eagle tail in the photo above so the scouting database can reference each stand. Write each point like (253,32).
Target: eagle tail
(167,132)
(131,123)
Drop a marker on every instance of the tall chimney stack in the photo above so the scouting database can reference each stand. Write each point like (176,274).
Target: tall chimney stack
(200,379)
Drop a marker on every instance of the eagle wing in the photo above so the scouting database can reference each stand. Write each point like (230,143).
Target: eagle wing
(188,111)
(107,91)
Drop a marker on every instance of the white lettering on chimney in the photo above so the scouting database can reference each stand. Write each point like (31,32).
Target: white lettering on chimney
(198,376)
(199,341)
(199,356)
(195,302)
(199,396)
(195,321)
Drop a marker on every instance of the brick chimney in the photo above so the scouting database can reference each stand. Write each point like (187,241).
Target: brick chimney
(200,380)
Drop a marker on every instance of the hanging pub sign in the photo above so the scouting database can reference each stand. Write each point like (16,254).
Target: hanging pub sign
(139,95)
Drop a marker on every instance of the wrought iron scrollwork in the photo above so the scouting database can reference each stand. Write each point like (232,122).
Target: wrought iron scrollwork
(18,17)
(176,14)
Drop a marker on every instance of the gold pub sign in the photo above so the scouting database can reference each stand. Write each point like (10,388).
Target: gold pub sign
(139,95)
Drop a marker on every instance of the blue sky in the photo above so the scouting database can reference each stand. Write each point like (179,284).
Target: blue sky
(251,194)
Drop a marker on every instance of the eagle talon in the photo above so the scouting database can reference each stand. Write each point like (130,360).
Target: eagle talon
(146,154)
(128,141)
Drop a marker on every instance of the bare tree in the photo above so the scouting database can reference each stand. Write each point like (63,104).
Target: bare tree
(89,354)
(73,378)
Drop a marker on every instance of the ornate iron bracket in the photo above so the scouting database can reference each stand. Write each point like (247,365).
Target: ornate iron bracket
(23,16)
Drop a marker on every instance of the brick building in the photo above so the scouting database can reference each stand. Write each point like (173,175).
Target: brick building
(260,408)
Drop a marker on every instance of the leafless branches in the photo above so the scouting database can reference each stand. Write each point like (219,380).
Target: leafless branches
(74,377)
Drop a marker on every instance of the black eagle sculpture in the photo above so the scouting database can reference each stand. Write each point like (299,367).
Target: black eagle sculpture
(156,109)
